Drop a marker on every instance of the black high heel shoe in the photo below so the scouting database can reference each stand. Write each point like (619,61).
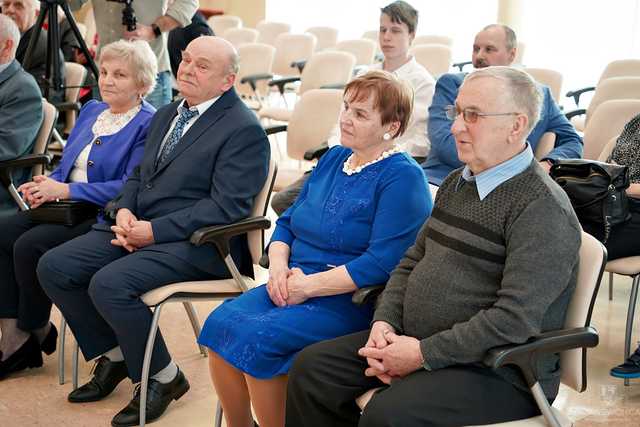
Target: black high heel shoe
(48,345)
(27,356)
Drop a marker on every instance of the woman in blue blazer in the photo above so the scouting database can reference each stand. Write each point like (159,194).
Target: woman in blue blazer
(104,147)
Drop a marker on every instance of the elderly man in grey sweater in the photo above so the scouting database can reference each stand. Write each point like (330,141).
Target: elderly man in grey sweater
(495,264)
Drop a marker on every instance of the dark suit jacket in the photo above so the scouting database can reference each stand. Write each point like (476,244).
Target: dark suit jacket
(211,177)
(20,119)
(180,37)
(38,66)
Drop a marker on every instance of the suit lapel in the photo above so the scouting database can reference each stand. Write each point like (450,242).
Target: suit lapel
(208,119)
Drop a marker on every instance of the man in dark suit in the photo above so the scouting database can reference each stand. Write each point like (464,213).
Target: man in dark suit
(206,158)
(20,108)
(25,13)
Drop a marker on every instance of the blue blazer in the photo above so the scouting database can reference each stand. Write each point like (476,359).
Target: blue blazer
(112,157)
(211,177)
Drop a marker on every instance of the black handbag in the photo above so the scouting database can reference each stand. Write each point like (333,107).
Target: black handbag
(65,212)
(596,190)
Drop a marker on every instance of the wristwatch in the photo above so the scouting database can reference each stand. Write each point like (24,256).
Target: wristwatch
(156,30)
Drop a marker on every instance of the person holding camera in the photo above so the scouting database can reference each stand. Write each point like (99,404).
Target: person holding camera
(148,20)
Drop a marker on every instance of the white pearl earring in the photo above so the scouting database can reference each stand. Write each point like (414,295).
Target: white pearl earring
(386,136)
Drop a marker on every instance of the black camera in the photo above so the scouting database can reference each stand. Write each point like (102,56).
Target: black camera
(128,14)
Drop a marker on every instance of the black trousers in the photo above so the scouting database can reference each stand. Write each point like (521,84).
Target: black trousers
(22,243)
(624,239)
(97,287)
(327,377)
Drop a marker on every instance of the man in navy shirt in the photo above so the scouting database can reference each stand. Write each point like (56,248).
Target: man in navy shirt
(494,45)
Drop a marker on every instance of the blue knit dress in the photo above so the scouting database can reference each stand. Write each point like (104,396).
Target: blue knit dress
(365,221)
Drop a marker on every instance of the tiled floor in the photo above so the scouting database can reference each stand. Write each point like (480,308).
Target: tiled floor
(34,398)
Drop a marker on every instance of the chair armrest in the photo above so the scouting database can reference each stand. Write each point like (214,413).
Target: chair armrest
(461,65)
(316,152)
(67,106)
(574,113)
(25,161)
(525,355)
(333,86)
(220,235)
(270,130)
(575,94)
(366,295)
(281,82)
(299,64)
(253,78)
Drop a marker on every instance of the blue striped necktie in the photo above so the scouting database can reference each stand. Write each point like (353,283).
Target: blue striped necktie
(185,115)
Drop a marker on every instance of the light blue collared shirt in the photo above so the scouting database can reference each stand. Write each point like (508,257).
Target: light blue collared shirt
(488,180)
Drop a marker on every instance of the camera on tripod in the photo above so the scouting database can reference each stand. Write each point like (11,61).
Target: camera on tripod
(128,14)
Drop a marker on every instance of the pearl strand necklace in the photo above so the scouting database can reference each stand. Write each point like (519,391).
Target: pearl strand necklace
(346,168)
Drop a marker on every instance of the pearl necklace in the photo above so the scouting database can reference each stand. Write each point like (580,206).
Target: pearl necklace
(346,168)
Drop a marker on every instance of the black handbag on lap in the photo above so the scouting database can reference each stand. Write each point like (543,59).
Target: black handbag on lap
(596,190)
(65,212)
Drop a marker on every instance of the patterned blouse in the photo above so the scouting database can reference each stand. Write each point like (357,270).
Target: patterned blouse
(627,149)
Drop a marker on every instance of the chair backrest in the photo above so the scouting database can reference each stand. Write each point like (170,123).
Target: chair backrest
(49,118)
(221,23)
(593,257)
(327,68)
(373,35)
(312,120)
(520,50)
(255,58)
(83,30)
(547,77)
(433,39)
(240,36)
(326,37)
(436,58)
(608,149)
(621,68)
(74,76)
(269,31)
(291,48)
(613,88)
(363,49)
(607,121)
(260,205)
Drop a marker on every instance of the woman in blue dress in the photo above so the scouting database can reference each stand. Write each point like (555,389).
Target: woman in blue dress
(356,215)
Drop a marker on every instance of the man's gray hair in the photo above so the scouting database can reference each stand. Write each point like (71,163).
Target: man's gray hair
(234,62)
(140,58)
(522,91)
(509,35)
(9,30)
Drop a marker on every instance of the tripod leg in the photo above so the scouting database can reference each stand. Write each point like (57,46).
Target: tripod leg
(80,39)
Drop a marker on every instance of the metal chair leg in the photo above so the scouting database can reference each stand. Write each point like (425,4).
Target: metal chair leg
(630,314)
(76,349)
(610,286)
(146,364)
(61,340)
(218,420)
(195,323)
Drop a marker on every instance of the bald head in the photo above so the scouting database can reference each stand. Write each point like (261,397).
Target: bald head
(494,45)
(208,69)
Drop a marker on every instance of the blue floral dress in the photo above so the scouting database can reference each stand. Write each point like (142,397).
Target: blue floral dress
(365,221)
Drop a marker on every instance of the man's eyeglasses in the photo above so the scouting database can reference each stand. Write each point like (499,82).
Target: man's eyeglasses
(469,115)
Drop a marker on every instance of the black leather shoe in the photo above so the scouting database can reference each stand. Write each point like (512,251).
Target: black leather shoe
(48,345)
(106,376)
(27,356)
(158,398)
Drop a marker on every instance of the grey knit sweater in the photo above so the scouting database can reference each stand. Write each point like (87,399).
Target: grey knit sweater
(488,273)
